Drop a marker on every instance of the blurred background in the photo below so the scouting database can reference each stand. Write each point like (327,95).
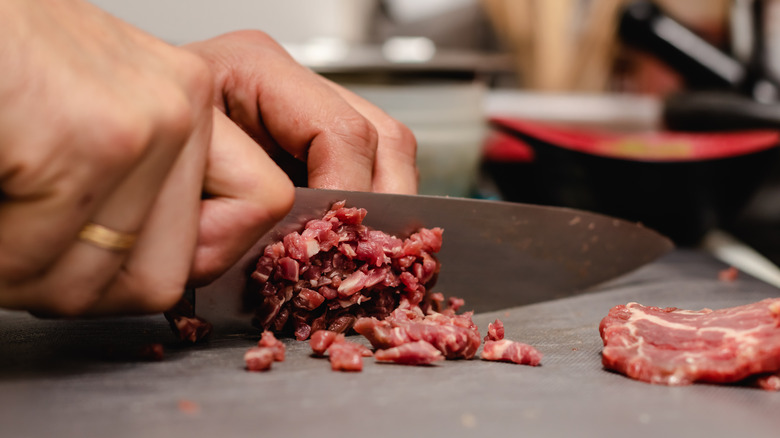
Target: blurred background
(660,111)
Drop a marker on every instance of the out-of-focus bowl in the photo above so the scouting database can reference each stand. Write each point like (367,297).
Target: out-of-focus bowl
(680,184)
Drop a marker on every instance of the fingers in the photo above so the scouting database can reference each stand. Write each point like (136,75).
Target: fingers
(395,167)
(347,143)
(87,279)
(153,276)
(85,136)
(50,196)
(97,117)
(314,124)
(247,193)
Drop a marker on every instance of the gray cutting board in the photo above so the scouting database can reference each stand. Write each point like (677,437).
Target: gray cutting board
(78,379)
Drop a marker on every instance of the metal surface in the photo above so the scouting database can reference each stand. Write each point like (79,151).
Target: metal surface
(56,378)
(517,253)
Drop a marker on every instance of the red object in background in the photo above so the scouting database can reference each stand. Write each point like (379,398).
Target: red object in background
(646,146)
(503,147)
(681,184)
(729,274)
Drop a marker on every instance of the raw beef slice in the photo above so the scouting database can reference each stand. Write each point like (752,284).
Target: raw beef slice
(337,270)
(671,346)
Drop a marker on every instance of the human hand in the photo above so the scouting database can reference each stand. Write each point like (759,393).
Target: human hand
(346,142)
(104,124)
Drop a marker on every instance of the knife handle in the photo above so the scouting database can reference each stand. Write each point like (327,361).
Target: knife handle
(718,111)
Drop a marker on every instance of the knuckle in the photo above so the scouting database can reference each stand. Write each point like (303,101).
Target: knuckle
(121,139)
(358,132)
(199,78)
(399,135)
(252,36)
(283,199)
(175,117)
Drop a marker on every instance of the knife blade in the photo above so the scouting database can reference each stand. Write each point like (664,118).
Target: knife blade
(493,252)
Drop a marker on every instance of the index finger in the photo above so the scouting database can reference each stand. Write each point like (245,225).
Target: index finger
(280,102)
(314,123)
(395,170)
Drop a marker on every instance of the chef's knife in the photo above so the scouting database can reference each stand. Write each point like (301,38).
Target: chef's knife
(493,252)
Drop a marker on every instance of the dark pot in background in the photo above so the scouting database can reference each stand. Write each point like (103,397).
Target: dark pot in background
(680,184)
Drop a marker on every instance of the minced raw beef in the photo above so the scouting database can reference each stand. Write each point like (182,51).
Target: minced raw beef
(346,356)
(455,336)
(412,353)
(321,340)
(671,346)
(338,275)
(268,350)
(337,270)
(268,340)
(495,331)
(769,382)
(504,350)
(185,324)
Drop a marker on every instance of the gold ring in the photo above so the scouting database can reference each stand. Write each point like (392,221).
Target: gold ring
(106,238)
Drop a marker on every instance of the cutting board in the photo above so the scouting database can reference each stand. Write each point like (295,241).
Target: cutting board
(81,378)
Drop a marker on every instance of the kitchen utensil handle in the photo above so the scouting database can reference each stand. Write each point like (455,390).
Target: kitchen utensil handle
(718,111)
(645,26)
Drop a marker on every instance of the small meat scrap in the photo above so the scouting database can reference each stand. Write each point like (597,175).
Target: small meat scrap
(511,351)
(495,331)
(321,340)
(185,324)
(152,352)
(454,304)
(268,350)
(672,346)
(412,353)
(259,359)
(268,340)
(189,407)
(346,356)
(335,270)
(768,382)
(729,274)
(455,336)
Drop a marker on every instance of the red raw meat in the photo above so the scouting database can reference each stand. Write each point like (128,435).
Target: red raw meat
(455,336)
(337,270)
(769,382)
(671,346)
(268,350)
(346,356)
(259,359)
(729,274)
(511,351)
(186,325)
(268,340)
(412,353)
(189,407)
(321,340)
(153,352)
(495,331)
